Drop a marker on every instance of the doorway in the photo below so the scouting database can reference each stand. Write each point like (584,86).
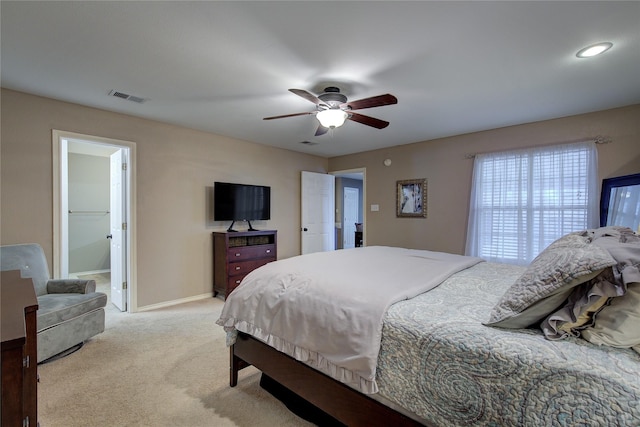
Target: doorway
(350,198)
(94,225)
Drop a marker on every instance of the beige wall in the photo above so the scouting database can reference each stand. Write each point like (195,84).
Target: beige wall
(177,166)
(175,169)
(443,162)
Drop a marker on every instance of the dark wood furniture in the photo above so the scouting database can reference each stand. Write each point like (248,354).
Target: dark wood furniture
(236,254)
(358,239)
(19,351)
(338,400)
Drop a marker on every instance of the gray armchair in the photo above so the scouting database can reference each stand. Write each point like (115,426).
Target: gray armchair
(70,311)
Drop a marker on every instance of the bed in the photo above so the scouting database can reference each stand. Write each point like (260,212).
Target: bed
(457,354)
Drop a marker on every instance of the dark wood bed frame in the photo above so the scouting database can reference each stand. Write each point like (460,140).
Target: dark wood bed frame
(338,400)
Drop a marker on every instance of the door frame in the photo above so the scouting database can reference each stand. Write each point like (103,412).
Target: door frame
(60,204)
(361,171)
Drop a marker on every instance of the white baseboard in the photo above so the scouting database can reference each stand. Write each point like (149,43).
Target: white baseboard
(175,302)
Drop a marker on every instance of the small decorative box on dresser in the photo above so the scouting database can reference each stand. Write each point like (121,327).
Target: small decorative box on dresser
(236,254)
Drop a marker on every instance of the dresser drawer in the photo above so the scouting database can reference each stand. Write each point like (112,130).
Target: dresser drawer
(233,282)
(245,267)
(238,271)
(251,252)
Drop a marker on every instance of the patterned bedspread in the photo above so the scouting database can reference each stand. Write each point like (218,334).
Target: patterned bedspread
(439,362)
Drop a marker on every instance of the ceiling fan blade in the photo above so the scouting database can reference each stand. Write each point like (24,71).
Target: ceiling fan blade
(374,101)
(308,96)
(367,120)
(289,115)
(321,130)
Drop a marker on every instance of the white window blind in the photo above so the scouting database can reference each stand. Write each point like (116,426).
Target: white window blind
(521,201)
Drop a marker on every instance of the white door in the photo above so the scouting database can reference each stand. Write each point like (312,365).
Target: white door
(118,231)
(318,212)
(350,209)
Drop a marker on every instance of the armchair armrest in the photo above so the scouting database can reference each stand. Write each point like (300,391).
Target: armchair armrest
(71,286)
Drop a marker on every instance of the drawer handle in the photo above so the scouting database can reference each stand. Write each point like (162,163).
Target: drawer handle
(237,253)
(268,251)
(238,267)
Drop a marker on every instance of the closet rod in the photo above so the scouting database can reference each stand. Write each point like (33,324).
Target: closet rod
(88,212)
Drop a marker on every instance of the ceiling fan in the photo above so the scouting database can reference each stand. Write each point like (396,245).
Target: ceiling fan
(332,109)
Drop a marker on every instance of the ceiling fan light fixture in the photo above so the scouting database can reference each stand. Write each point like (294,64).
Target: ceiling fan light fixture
(593,50)
(332,118)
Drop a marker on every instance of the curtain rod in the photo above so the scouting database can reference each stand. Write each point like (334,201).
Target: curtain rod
(600,140)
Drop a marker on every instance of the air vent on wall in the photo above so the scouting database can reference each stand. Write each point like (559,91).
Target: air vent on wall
(126,96)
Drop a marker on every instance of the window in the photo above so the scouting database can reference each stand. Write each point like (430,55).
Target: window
(521,201)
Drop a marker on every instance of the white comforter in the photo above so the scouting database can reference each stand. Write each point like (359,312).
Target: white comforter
(326,309)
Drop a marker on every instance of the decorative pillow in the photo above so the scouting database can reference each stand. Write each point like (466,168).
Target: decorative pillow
(584,301)
(617,325)
(624,246)
(545,285)
(585,316)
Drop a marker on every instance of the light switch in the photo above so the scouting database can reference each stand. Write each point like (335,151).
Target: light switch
(375,208)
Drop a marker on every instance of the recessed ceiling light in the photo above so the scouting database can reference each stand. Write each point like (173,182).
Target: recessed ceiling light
(593,50)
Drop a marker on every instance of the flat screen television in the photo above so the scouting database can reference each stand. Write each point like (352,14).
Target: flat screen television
(241,202)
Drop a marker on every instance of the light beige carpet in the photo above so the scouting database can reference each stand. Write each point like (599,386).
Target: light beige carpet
(167,367)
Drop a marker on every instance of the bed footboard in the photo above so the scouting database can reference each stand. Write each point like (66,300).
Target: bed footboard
(338,400)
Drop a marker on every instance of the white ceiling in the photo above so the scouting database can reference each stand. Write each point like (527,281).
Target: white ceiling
(455,67)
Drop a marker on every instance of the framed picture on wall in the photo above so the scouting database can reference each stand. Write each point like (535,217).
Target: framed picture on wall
(412,198)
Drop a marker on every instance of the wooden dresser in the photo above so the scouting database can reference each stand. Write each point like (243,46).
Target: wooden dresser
(19,352)
(236,254)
